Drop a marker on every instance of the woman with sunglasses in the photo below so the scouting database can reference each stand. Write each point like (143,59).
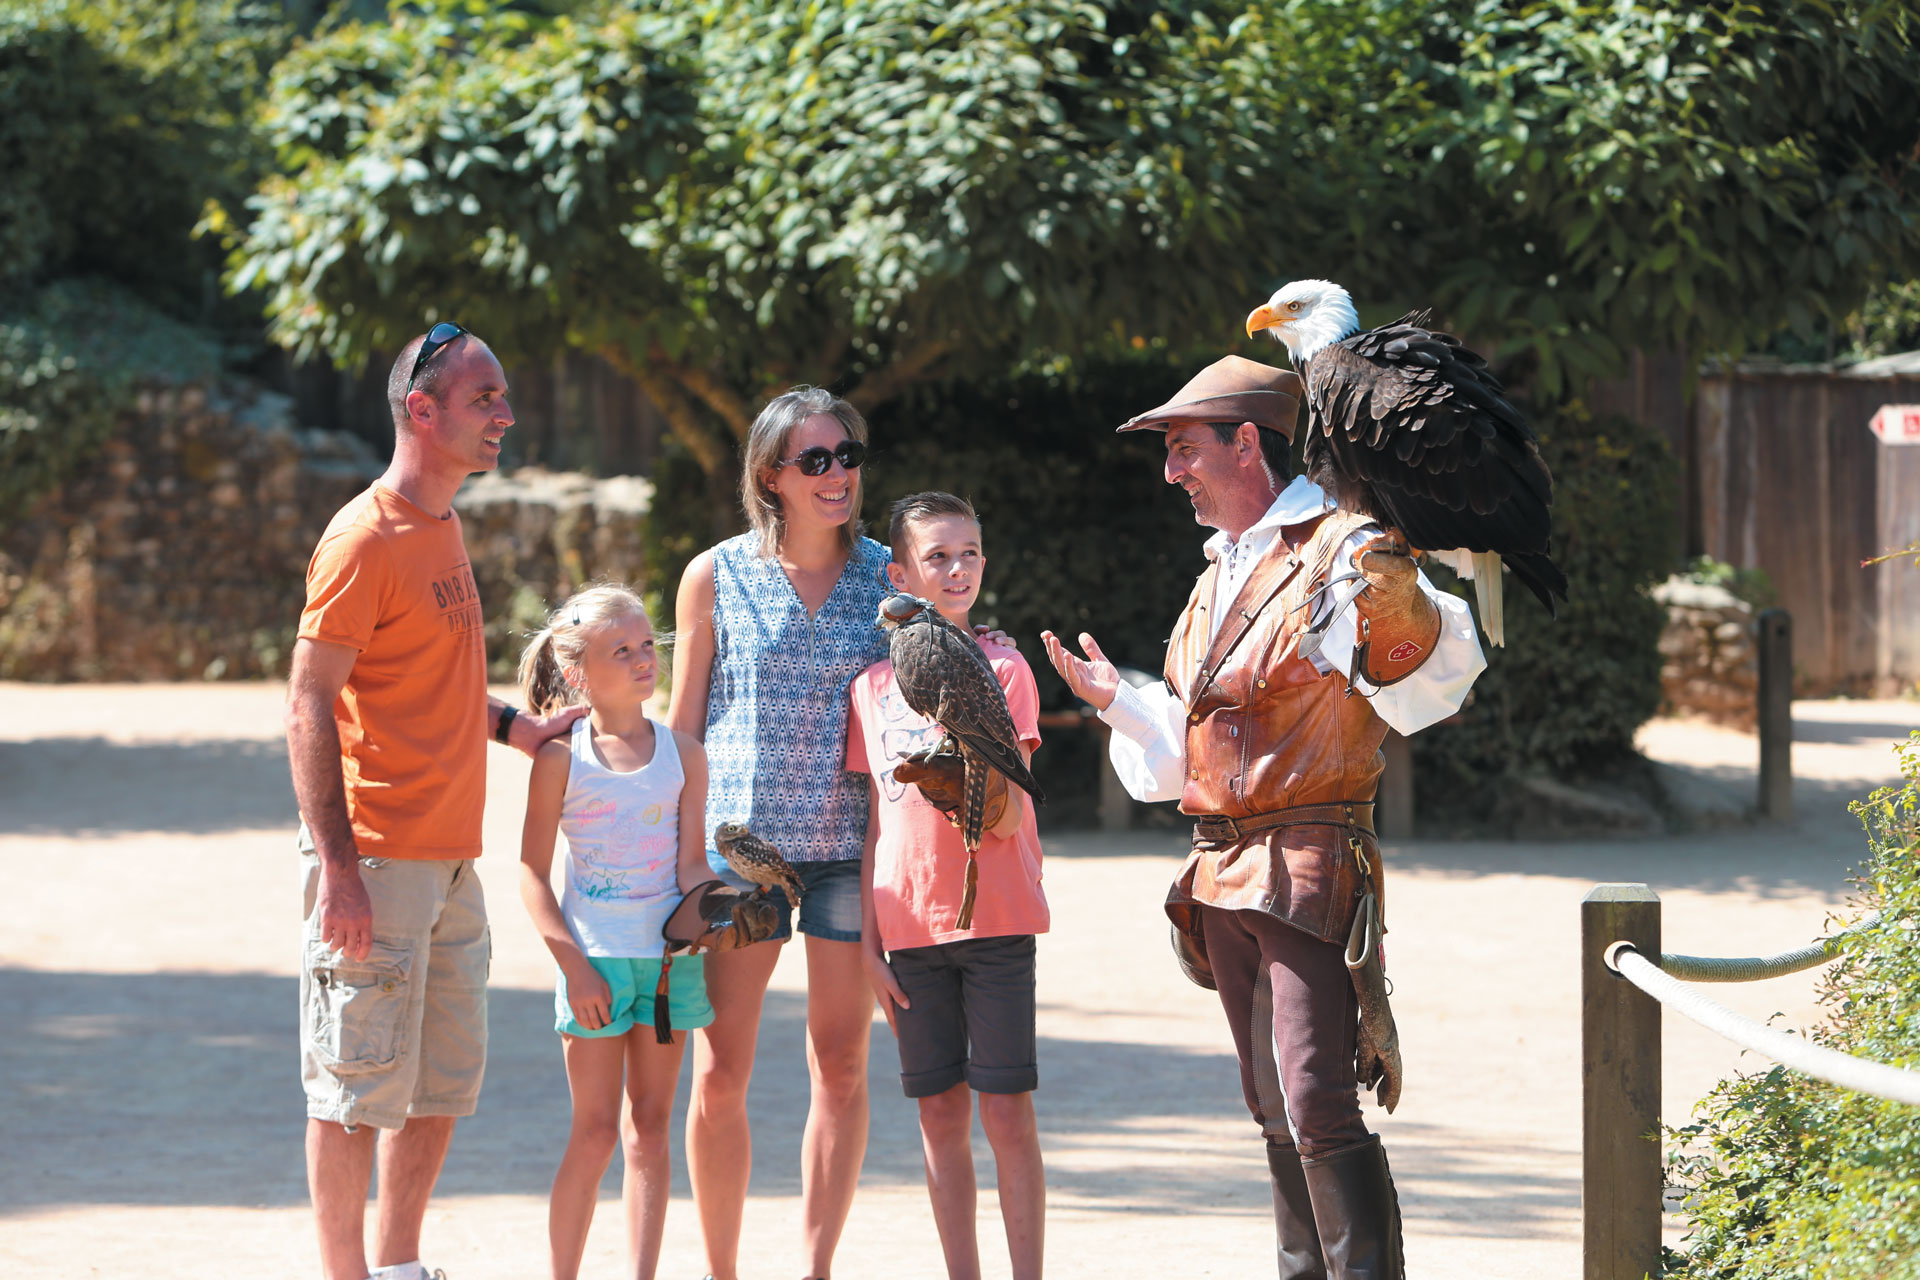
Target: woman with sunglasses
(773,626)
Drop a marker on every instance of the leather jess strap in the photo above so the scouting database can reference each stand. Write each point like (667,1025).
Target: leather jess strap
(1216,828)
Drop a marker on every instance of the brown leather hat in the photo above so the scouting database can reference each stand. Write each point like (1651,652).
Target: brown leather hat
(1232,390)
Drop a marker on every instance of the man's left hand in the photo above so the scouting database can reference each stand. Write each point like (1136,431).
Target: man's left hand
(529,732)
(996,636)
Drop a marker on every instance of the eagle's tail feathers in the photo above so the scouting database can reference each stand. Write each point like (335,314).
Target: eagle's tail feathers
(1488,589)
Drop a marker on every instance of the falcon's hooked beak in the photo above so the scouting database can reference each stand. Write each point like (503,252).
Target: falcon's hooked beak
(1262,319)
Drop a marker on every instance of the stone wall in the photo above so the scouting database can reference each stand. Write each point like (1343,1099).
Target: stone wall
(180,550)
(1709,656)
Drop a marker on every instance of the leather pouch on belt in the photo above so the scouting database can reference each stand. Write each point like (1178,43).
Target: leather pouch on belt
(1189,938)
(1376,1058)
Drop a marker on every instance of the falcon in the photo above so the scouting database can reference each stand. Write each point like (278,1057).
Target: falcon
(1409,427)
(944,676)
(756,861)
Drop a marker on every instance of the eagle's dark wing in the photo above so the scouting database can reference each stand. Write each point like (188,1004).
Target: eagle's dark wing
(1410,427)
(944,676)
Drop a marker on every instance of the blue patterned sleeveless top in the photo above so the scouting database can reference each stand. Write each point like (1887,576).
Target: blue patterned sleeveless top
(777,704)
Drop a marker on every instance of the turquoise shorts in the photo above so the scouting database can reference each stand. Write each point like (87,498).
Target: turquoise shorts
(632,983)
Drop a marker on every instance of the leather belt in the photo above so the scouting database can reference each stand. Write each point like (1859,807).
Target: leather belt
(1218,828)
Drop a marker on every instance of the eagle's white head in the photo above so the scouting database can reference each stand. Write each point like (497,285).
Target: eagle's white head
(1306,315)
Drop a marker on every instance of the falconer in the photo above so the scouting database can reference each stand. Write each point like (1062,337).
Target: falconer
(1257,733)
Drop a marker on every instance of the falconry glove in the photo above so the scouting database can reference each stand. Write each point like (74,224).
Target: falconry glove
(940,773)
(713,916)
(1398,623)
(1376,1056)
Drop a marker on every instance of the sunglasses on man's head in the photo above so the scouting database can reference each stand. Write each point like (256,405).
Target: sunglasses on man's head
(437,337)
(816,461)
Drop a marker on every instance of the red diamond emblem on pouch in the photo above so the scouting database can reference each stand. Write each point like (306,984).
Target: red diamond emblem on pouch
(1402,651)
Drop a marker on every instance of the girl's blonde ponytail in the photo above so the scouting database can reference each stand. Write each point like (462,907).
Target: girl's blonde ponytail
(542,683)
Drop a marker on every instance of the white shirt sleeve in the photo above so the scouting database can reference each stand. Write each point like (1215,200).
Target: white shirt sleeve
(1148,745)
(1438,687)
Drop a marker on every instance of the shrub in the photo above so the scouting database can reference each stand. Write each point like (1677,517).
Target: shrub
(119,121)
(67,363)
(1751,585)
(1786,1176)
(1565,695)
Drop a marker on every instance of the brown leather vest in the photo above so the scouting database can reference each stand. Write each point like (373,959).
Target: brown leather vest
(1266,731)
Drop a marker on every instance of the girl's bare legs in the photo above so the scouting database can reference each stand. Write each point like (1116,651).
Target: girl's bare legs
(1015,1138)
(946,1138)
(594,1067)
(839,1024)
(653,1069)
(719,1144)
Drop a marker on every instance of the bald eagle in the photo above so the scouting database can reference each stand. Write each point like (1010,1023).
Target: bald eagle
(1408,426)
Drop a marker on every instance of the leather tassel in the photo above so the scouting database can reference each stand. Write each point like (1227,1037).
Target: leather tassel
(662,1011)
(973,884)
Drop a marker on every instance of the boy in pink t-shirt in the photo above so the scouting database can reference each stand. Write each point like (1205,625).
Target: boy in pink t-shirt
(960,1002)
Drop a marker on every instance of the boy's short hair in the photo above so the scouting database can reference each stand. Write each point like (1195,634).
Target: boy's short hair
(917,507)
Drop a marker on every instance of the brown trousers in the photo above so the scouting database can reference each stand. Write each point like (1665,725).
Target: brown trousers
(1294,1018)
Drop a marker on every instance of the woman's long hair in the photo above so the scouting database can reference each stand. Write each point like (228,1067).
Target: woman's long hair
(563,641)
(767,447)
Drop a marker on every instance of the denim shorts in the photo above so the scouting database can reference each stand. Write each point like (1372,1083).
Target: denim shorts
(830,898)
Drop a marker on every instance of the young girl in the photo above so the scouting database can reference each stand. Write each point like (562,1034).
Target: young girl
(630,796)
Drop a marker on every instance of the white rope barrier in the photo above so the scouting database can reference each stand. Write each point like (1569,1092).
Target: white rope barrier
(1753,968)
(1858,1074)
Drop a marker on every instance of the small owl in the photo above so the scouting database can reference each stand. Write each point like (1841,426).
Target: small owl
(756,861)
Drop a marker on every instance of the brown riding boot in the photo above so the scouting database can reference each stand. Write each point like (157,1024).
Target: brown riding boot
(1356,1212)
(1299,1243)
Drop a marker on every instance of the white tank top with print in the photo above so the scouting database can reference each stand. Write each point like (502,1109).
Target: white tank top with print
(622,838)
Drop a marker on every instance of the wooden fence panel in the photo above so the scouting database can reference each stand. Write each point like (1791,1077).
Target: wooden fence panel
(1789,479)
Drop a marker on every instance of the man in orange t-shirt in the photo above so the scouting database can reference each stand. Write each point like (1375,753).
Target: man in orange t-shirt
(387,721)
(960,1002)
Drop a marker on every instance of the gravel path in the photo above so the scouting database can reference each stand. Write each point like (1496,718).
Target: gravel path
(150,1112)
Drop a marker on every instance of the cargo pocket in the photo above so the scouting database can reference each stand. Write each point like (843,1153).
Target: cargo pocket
(356,1018)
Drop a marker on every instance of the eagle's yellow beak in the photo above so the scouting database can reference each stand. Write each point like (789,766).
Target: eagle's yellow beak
(1262,319)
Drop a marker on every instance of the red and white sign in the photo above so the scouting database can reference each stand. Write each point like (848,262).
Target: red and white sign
(1897,423)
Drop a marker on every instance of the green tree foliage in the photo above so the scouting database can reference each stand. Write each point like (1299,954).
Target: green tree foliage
(1565,695)
(1573,180)
(728,198)
(1785,1176)
(119,120)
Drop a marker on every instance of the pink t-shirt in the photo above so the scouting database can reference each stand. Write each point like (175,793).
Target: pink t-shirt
(920,861)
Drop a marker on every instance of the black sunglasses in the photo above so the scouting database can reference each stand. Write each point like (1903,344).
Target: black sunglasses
(437,337)
(815,461)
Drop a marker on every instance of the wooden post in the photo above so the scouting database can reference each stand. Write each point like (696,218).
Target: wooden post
(1393,812)
(1116,806)
(1775,627)
(1620,1089)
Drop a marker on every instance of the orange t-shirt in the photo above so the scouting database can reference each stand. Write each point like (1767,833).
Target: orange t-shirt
(920,860)
(394,582)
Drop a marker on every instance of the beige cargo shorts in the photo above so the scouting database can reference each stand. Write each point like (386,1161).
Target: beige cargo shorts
(403,1032)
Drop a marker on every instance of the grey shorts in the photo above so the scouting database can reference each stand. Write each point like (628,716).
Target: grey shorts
(403,1032)
(829,903)
(970,1016)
